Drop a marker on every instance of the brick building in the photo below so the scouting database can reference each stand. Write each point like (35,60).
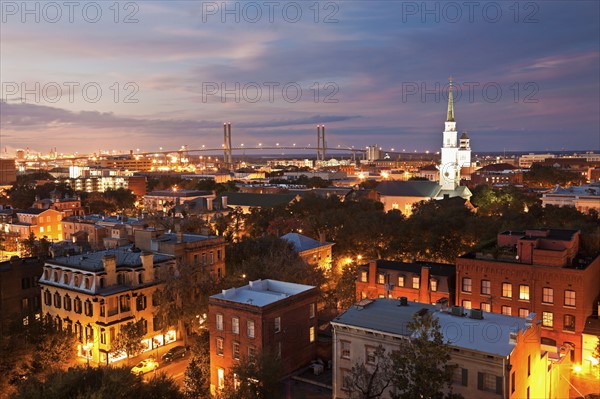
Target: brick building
(41,222)
(20,292)
(312,251)
(423,282)
(534,271)
(265,316)
(497,174)
(8,171)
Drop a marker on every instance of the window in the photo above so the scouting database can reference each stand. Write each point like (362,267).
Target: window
(67,302)
(25,305)
(486,307)
(528,365)
(370,354)
(488,382)
(569,322)
(466,304)
(400,281)
(88,309)
(57,300)
(25,283)
(221,378)
(466,284)
(311,334)
(220,346)
(547,319)
(277,324)
(235,325)
(569,298)
(512,382)
(433,284)
(416,282)
(524,292)
(506,290)
(311,310)
(88,283)
(380,278)
(236,350)
(141,302)
(251,352)
(506,310)
(486,287)
(461,376)
(219,322)
(250,328)
(547,295)
(345,352)
(77,305)
(102,336)
(523,312)
(346,380)
(47,298)
(212,257)
(364,277)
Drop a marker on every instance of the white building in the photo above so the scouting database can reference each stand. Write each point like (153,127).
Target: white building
(456,153)
(583,198)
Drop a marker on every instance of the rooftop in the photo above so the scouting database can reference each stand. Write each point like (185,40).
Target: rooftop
(178,193)
(435,269)
(262,292)
(587,190)
(257,200)
(386,315)
(92,262)
(303,243)
(172,237)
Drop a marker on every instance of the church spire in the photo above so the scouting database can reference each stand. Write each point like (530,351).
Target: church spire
(450,117)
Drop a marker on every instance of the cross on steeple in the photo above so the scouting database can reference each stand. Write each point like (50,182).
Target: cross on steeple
(450,116)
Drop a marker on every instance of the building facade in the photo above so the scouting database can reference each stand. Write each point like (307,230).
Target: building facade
(423,282)
(43,223)
(534,271)
(265,316)
(508,366)
(583,198)
(93,295)
(312,251)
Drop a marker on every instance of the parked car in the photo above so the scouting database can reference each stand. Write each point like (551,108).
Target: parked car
(145,366)
(174,353)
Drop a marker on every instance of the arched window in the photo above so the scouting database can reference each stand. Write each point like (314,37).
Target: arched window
(77,305)
(67,302)
(141,278)
(102,282)
(65,278)
(76,280)
(57,300)
(89,310)
(56,277)
(88,283)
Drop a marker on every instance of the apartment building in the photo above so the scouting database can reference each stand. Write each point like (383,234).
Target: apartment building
(497,356)
(43,223)
(424,282)
(94,294)
(263,316)
(534,271)
(312,251)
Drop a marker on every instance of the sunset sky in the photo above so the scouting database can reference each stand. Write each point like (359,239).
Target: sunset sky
(370,59)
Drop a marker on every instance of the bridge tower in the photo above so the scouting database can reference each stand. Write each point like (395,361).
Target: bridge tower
(321,142)
(227,153)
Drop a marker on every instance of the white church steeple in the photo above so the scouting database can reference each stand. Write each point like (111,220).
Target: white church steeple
(454,154)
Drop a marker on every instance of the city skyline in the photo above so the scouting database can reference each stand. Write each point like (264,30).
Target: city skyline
(374,74)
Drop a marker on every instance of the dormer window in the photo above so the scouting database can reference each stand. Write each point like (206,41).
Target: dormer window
(102,282)
(88,283)
(76,281)
(56,277)
(65,278)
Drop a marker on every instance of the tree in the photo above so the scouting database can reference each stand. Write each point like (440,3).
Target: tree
(346,286)
(254,378)
(129,339)
(421,368)
(370,380)
(98,383)
(196,382)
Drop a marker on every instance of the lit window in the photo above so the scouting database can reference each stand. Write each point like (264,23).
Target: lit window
(400,281)
(311,334)
(221,378)
(363,276)
(569,298)
(416,282)
(524,292)
(569,322)
(250,328)
(277,324)
(219,322)
(235,325)
(547,319)
(220,346)
(523,312)
(506,310)
(486,287)
(381,278)
(466,284)
(434,284)
(466,304)
(507,290)
(486,307)
(547,295)
(311,310)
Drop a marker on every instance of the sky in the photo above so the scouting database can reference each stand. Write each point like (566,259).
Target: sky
(106,75)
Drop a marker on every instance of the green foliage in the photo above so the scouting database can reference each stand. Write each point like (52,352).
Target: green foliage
(346,286)
(129,339)
(547,176)
(370,381)
(97,383)
(110,201)
(421,368)
(498,201)
(197,378)
(257,378)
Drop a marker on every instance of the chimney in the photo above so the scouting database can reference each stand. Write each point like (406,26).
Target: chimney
(147,259)
(424,286)
(372,272)
(110,267)
(224,201)
(322,238)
